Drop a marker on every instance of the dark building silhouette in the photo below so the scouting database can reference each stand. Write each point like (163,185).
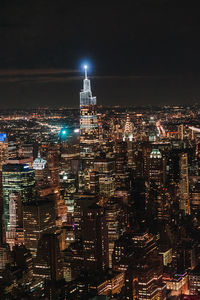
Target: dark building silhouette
(48,263)
(95,238)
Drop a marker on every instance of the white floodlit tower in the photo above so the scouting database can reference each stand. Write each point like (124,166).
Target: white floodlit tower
(89,131)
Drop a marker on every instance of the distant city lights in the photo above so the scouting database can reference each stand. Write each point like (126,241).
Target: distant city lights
(76,130)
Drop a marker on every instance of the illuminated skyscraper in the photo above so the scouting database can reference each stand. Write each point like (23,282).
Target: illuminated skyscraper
(163,203)
(14,233)
(40,167)
(128,129)
(18,179)
(39,163)
(121,170)
(184,184)
(3,158)
(156,167)
(181,132)
(68,188)
(88,129)
(3,149)
(152,130)
(114,220)
(52,157)
(105,169)
(38,218)
(12,149)
(88,120)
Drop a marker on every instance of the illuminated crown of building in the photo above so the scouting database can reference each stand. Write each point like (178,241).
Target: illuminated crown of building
(128,129)
(128,125)
(155,153)
(39,163)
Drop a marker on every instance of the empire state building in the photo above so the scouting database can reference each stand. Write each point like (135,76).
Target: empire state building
(89,130)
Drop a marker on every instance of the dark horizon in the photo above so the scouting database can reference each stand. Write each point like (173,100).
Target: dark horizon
(58,91)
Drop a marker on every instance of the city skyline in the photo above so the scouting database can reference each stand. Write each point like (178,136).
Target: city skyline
(100,201)
(99,150)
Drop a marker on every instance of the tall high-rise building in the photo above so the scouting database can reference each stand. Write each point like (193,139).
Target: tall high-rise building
(95,238)
(67,190)
(121,167)
(52,158)
(14,233)
(18,179)
(81,203)
(114,220)
(128,129)
(23,259)
(12,149)
(144,281)
(88,131)
(40,167)
(4,256)
(3,149)
(94,182)
(106,185)
(152,130)
(181,132)
(48,262)
(156,167)
(184,184)
(3,158)
(38,218)
(105,169)
(164,203)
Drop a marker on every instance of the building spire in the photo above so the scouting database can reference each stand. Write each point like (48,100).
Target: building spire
(85,68)
(86,81)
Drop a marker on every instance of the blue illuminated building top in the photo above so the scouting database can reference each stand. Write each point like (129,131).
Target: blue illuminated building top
(86,94)
(2,137)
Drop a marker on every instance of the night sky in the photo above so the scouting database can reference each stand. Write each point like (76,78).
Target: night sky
(140,52)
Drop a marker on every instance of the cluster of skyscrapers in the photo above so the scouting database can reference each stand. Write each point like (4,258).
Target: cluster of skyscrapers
(110,214)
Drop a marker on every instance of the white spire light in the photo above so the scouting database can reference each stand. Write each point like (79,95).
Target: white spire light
(86,81)
(85,68)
